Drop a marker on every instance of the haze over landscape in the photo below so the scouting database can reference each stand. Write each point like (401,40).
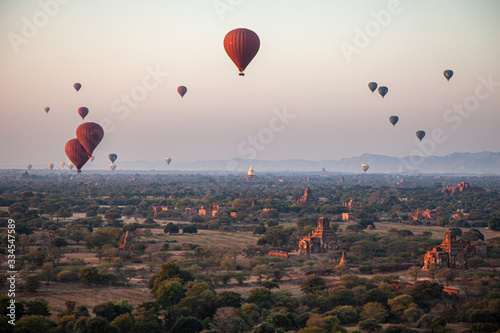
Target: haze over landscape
(277,166)
(304,95)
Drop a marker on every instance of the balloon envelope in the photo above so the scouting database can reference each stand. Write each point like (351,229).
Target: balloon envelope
(394,120)
(113,157)
(28,166)
(112,166)
(76,153)
(83,112)
(62,164)
(51,166)
(182,90)
(372,86)
(77,86)
(448,74)
(89,135)
(241,46)
(420,135)
(70,166)
(365,167)
(168,160)
(47,109)
(383,91)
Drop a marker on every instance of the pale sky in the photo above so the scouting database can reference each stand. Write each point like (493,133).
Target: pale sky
(313,65)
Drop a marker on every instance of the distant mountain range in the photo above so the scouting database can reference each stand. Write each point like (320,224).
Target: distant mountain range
(459,163)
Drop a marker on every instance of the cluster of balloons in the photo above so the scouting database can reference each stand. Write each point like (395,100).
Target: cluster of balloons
(88,135)
(394,119)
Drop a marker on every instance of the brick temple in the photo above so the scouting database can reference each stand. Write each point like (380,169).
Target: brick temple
(320,240)
(452,253)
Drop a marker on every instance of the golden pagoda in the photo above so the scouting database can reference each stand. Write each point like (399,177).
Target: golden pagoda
(250,174)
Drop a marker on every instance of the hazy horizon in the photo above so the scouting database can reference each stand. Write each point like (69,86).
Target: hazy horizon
(303,96)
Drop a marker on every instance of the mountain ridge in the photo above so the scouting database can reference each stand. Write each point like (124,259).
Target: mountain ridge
(465,163)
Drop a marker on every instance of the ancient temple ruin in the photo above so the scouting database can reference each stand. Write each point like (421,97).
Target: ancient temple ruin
(452,253)
(308,199)
(322,239)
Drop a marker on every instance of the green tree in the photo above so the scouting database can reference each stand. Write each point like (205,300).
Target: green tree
(187,325)
(33,323)
(446,274)
(259,271)
(228,263)
(38,306)
(414,272)
(89,275)
(494,223)
(169,293)
(124,322)
(375,311)
(171,228)
(32,283)
(228,298)
(313,284)
(93,325)
(370,325)
(400,303)
(473,235)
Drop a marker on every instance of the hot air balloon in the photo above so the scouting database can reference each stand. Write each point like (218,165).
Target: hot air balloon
(46,109)
(28,166)
(92,158)
(51,166)
(394,120)
(76,153)
(77,86)
(241,46)
(112,166)
(382,91)
(62,164)
(372,86)
(89,135)
(113,157)
(182,90)
(448,74)
(168,160)
(70,166)
(420,135)
(365,167)
(83,112)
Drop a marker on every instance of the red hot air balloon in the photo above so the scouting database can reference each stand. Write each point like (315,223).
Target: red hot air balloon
(83,112)
(89,135)
(77,86)
(182,91)
(241,46)
(76,153)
